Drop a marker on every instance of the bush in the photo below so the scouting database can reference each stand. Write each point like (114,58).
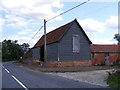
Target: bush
(99,65)
(8,60)
(113,79)
(117,62)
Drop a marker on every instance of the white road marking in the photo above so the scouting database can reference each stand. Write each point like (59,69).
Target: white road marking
(3,66)
(20,83)
(16,79)
(7,70)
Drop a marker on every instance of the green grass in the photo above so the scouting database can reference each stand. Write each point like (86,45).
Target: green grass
(8,60)
(113,80)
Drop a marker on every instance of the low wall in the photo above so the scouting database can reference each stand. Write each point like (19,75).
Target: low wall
(68,63)
(36,62)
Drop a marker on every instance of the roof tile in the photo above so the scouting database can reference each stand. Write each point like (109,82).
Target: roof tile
(54,35)
(105,48)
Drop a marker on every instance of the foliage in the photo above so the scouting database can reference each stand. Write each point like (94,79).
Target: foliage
(99,65)
(25,47)
(113,80)
(117,37)
(6,60)
(117,62)
(11,50)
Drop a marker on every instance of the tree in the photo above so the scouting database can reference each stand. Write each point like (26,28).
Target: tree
(25,47)
(11,50)
(117,37)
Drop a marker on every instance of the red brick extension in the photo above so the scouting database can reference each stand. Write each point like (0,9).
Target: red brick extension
(63,63)
(95,60)
(100,58)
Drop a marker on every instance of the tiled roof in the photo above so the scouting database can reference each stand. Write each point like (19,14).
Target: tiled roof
(105,48)
(54,35)
(57,34)
(29,53)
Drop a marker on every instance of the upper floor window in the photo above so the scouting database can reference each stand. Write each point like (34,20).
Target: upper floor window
(76,43)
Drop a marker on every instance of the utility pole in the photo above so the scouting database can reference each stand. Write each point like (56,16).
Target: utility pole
(45,49)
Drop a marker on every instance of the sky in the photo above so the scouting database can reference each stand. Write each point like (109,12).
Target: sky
(21,19)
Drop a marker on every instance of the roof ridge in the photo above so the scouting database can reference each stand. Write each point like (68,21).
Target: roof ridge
(60,31)
(60,26)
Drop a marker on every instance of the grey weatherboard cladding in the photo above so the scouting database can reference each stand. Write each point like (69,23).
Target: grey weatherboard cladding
(36,53)
(63,47)
(66,45)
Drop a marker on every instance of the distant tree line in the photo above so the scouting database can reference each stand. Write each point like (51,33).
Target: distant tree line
(117,37)
(11,50)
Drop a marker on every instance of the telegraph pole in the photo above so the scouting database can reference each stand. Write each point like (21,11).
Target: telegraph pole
(45,50)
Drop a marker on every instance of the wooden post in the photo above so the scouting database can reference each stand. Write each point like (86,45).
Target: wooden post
(45,49)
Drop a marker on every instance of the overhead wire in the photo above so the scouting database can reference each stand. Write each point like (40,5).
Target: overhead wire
(35,34)
(67,10)
(58,16)
(97,10)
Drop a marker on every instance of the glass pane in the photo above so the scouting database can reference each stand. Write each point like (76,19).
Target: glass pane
(76,44)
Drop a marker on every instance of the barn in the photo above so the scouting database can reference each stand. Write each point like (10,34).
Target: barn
(67,45)
(105,54)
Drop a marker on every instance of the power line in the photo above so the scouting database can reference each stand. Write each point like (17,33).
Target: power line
(35,34)
(58,16)
(68,10)
(97,10)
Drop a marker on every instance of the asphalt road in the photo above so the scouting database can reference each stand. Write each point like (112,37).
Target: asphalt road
(19,77)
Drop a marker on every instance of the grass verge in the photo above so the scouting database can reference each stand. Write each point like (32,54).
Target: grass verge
(113,80)
(7,61)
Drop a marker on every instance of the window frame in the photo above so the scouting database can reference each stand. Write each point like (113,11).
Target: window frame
(75,51)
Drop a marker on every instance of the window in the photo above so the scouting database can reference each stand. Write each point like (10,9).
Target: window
(76,43)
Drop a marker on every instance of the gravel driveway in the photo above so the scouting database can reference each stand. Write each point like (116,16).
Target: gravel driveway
(97,77)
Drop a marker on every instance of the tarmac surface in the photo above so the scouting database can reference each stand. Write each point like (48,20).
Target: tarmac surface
(19,77)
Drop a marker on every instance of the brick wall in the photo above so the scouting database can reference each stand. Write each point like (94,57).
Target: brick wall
(68,63)
(36,62)
(97,59)
(113,58)
(100,58)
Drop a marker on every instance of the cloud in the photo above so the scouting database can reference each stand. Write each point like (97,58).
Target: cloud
(26,15)
(103,41)
(91,25)
(2,22)
(15,21)
(35,9)
(108,27)
(21,40)
(25,32)
(25,35)
(112,22)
